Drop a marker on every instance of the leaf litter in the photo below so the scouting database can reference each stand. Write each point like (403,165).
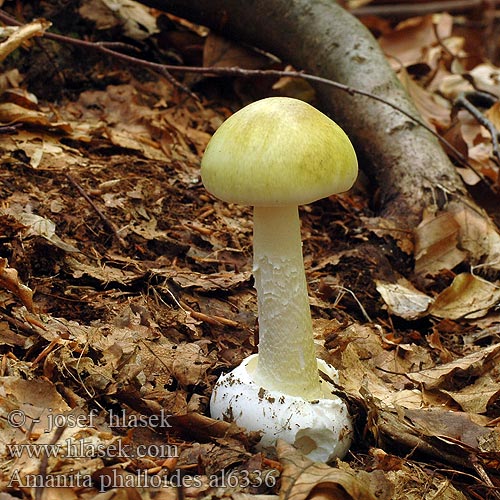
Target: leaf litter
(127,303)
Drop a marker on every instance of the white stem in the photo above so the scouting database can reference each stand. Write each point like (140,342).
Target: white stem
(287,358)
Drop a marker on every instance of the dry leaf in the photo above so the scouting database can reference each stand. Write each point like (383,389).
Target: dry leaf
(202,427)
(45,228)
(447,436)
(123,115)
(434,109)
(436,240)
(56,493)
(409,479)
(219,52)
(408,42)
(367,365)
(384,228)
(105,477)
(493,114)
(17,35)
(10,79)
(479,396)
(485,77)
(295,87)
(205,282)
(21,97)
(36,399)
(449,427)
(303,479)
(104,273)
(8,337)
(9,279)
(403,299)
(467,297)
(477,236)
(190,364)
(410,483)
(443,376)
(13,113)
(136,19)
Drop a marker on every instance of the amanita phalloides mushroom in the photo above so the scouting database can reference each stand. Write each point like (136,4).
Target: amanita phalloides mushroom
(276,154)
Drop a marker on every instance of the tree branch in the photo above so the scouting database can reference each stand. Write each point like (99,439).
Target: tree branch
(321,38)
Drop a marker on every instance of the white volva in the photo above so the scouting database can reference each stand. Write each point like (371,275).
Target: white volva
(321,429)
(275,154)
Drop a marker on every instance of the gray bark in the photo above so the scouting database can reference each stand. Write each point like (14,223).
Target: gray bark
(318,36)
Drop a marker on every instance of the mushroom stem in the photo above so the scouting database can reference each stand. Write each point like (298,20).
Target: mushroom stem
(287,358)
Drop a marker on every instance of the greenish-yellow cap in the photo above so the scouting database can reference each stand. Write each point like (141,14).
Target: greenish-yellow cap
(278,151)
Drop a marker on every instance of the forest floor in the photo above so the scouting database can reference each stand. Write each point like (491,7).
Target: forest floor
(126,289)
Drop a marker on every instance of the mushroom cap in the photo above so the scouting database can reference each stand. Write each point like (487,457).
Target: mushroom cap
(278,151)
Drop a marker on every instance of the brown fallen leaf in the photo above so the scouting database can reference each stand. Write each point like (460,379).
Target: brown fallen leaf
(434,340)
(484,76)
(472,365)
(434,109)
(17,35)
(436,240)
(103,273)
(13,113)
(122,115)
(447,436)
(467,297)
(411,38)
(55,493)
(368,365)
(477,235)
(480,396)
(190,364)
(203,282)
(8,337)
(202,427)
(403,299)
(43,227)
(457,436)
(386,228)
(9,279)
(212,458)
(135,19)
(303,479)
(219,52)
(413,482)
(479,150)
(295,87)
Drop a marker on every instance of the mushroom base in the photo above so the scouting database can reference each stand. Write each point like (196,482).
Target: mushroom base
(320,429)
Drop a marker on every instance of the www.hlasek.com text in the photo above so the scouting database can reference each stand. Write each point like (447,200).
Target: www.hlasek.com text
(87,448)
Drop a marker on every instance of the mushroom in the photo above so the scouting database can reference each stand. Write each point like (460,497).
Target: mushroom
(276,154)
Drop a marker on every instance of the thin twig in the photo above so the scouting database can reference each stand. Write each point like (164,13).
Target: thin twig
(414,9)
(19,325)
(246,73)
(360,305)
(441,41)
(178,84)
(109,48)
(106,221)
(466,101)
(10,129)
(44,462)
(478,467)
